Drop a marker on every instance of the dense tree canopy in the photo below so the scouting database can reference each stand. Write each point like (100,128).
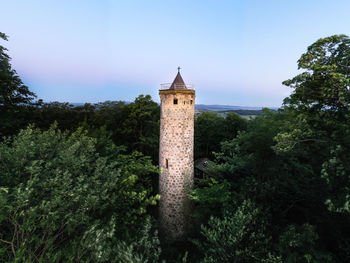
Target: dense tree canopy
(325,82)
(63,201)
(207,135)
(293,164)
(13,91)
(134,125)
(277,189)
(320,103)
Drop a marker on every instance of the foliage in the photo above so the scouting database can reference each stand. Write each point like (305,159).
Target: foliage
(143,248)
(297,244)
(211,197)
(278,190)
(134,125)
(321,102)
(206,135)
(237,237)
(139,128)
(62,192)
(325,83)
(294,163)
(286,185)
(13,92)
(210,129)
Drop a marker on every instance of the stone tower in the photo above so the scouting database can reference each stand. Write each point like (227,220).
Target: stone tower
(176,156)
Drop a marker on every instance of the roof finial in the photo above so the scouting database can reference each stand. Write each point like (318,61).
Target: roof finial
(178,69)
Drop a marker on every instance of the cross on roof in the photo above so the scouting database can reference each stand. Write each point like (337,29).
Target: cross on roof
(178,69)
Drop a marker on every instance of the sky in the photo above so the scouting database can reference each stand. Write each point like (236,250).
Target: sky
(234,52)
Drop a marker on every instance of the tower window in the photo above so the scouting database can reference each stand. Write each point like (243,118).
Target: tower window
(191,102)
(184,102)
(166,163)
(175,101)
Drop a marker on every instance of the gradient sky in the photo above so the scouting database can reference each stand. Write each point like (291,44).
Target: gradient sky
(234,52)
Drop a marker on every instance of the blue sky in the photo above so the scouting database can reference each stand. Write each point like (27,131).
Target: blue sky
(234,52)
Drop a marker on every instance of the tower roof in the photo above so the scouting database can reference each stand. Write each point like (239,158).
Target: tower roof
(178,82)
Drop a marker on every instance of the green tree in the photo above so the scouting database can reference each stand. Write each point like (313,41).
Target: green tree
(13,93)
(324,85)
(286,185)
(233,124)
(66,201)
(139,127)
(237,237)
(210,129)
(320,103)
(294,163)
(208,133)
(297,244)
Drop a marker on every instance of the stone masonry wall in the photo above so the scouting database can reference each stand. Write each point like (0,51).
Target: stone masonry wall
(176,161)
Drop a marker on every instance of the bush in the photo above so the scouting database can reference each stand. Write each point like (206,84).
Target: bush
(62,192)
(237,237)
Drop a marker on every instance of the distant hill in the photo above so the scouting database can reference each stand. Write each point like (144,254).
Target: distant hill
(203,107)
(228,107)
(246,112)
(77,104)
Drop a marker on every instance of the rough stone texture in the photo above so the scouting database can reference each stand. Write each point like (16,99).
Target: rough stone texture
(176,161)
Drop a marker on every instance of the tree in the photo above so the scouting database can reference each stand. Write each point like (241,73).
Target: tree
(320,103)
(286,185)
(208,133)
(325,83)
(139,126)
(13,93)
(233,124)
(64,199)
(210,129)
(237,237)
(297,244)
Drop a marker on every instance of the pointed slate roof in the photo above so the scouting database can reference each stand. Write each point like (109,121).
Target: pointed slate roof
(178,82)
